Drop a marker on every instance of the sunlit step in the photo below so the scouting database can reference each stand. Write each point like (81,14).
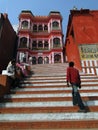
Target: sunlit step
(56,80)
(58,77)
(52,88)
(46,104)
(58,84)
(48,116)
(34,81)
(47,95)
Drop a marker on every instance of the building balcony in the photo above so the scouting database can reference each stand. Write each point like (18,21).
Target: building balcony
(40,49)
(45,33)
(40,31)
(24,27)
(56,28)
(57,46)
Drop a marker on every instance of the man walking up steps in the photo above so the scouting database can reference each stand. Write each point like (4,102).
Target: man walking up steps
(73,77)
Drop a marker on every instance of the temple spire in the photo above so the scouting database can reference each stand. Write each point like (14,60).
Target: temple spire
(74,8)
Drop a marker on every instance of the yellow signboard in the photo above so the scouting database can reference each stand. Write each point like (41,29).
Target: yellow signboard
(88,51)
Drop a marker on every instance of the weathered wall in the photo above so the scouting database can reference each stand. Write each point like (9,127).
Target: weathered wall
(7,43)
(82,29)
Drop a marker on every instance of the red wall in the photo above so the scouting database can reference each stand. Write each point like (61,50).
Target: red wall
(72,52)
(85,31)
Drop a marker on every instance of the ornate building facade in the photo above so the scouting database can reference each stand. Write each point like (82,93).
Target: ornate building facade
(40,38)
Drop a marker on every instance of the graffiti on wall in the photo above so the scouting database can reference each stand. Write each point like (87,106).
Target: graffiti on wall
(88,51)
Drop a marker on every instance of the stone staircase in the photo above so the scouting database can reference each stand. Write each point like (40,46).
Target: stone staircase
(45,102)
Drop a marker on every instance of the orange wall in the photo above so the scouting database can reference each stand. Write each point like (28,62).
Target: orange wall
(72,52)
(85,30)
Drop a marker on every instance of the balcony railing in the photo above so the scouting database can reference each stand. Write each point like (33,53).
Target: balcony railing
(40,48)
(55,28)
(24,27)
(57,46)
(39,31)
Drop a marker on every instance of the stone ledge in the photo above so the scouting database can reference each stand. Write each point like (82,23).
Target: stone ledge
(4,85)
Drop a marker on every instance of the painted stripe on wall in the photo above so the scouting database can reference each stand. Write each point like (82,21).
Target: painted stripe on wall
(89,66)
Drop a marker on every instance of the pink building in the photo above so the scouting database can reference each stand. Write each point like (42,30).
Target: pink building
(40,38)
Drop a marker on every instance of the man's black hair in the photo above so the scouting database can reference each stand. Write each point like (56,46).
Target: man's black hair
(13,61)
(71,64)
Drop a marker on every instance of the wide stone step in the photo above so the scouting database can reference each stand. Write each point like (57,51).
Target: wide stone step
(49,116)
(58,74)
(57,77)
(53,88)
(46,104)
(56,80)
(55,84)
(44,79)
(53,76)
(51,91)
(42,90)
(44,99)
(47,95)
(43,109)
(47,125)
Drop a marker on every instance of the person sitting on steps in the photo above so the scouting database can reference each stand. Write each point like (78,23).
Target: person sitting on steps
(11,71)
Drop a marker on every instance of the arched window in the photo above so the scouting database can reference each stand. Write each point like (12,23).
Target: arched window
(46,45)
(34,60)
(40,28)
(46,60)
(23,42)
(55,24)
(57,58)
(46,28)
(34,45)
(35,28)
(40,44)
(29,46)
(40,60)
(22,57)
(56,42)
(24,24)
